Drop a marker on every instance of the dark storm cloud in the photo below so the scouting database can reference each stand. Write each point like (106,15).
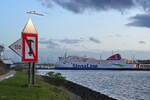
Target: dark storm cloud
(141,20)
(49,43)
(145,4)
(79,6)
(71,41)
(46,3)
(141,42)
(94,40)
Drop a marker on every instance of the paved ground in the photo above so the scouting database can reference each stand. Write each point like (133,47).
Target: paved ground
(8,75)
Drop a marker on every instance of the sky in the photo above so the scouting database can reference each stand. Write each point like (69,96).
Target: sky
(80,27)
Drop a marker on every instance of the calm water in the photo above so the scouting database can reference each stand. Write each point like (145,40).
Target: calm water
(122,85)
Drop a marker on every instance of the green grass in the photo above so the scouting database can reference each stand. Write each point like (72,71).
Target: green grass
(14,89)
(2,73)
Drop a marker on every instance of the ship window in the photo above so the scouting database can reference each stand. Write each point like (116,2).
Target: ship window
(91,63)
(108,63)
(128,62)
(98,62)
(135,66)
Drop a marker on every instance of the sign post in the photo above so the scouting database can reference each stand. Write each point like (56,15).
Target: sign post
(29,74)
(33,73)
(30,48)
(27,46)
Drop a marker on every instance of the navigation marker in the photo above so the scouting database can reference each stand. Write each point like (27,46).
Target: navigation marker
(29,43)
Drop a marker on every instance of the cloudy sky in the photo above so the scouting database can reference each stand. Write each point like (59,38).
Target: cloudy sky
(81,27)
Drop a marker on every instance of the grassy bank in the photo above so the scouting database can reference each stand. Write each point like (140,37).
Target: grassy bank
(15,89)
(83,92)
(2,73)
(3,69)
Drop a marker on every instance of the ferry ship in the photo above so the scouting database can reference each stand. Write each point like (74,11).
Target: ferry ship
(114,62)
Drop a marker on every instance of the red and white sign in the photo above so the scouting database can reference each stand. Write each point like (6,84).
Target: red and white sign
(29,47)
(29,43)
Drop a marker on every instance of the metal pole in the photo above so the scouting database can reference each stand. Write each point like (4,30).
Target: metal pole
(33,73)
(29,74)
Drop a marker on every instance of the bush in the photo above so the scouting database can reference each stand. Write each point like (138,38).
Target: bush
(50,74)
(18,68)
(2,67)
(57,78)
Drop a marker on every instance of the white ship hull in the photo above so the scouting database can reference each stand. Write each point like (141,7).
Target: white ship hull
(80,67)
(79,63)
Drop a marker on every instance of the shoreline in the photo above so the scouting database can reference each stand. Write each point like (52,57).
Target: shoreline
(95,69)
(83,92)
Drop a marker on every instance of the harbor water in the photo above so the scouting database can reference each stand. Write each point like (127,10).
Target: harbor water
(122,85)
